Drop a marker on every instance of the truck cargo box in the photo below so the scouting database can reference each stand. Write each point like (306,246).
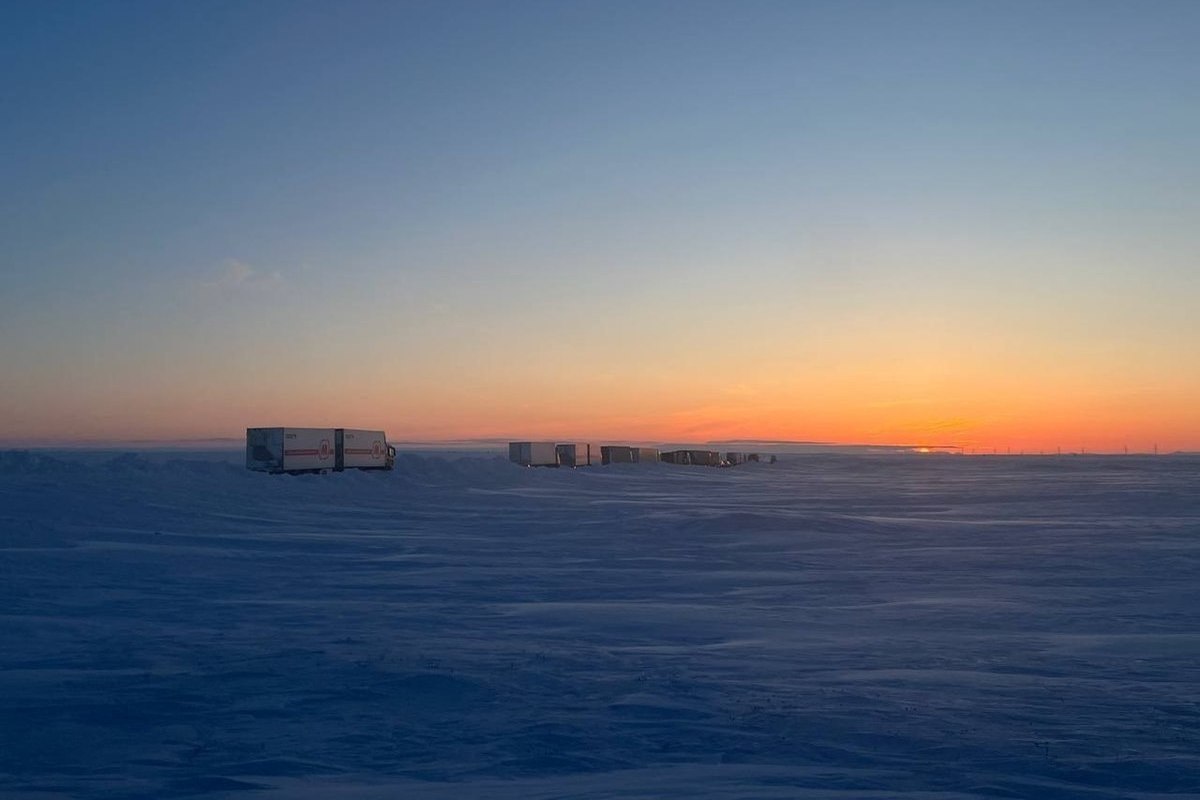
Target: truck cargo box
(533,454)
(703,458)
(317,449)
(290,449)
(574,454)
(616,454)
(645,455)
(623,454)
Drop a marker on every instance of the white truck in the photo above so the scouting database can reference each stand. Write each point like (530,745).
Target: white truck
(298,450)
(364,449)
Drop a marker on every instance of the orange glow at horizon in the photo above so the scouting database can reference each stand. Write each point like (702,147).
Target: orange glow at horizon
(866,390)
(1097,427)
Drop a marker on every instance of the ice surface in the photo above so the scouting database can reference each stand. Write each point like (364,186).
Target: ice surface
(173,625)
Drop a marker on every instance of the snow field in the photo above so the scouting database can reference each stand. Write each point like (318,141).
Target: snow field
(828,626)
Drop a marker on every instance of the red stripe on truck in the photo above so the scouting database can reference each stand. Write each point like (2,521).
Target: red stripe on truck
(300,452)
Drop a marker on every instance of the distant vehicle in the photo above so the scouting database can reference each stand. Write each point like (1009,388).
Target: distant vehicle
(300,450)
(534,454)
(617,454)
(574,454)
(702,458)
(623,454)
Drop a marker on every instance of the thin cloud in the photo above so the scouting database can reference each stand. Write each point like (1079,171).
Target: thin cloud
(235,277)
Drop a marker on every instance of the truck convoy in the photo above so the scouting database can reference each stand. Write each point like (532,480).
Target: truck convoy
(550,454)
(557,454)
(300,450)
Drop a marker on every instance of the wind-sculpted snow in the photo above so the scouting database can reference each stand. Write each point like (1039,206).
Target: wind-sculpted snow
(172,625)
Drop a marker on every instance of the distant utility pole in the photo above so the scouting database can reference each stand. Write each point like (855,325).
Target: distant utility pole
(1156,448)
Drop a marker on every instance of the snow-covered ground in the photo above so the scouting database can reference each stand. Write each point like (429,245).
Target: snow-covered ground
(829,626)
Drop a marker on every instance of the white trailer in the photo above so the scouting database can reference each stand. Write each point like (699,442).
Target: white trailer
(623,454)
(289,449)
(701,458)
(298,450)
(575,454)
(645,455)
(533,454)
(617,455)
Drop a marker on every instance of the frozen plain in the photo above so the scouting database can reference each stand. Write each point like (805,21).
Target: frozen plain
(831,626)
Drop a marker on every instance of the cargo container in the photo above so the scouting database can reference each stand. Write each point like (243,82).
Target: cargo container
(574,454)
(703,458)
(622,454)
(296,450)
(533,454)
(616,454)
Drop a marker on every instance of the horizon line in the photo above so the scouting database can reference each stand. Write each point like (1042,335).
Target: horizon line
(231,442)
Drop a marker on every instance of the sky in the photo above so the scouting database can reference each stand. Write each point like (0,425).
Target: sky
(956,223)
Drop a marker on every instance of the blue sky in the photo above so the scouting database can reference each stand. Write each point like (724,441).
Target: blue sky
(201,200)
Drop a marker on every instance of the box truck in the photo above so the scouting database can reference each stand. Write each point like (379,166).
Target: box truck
(363,449)
(533,454)
(297,450)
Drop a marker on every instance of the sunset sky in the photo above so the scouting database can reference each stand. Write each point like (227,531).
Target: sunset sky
(962,223)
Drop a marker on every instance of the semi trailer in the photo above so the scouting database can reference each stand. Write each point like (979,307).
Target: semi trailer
(623,454)
(574,454)
(533,454)
(700,458)
(300,450)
